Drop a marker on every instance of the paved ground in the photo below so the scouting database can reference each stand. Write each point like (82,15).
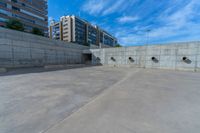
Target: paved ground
(116,100)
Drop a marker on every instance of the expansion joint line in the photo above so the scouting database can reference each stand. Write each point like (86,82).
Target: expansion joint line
(127,76)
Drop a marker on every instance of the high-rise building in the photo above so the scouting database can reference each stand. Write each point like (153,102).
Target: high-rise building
(75,29)
(55,30)
(32,13)
(107,39)
(66,24)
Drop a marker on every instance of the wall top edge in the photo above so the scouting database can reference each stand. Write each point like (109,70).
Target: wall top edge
(155,45)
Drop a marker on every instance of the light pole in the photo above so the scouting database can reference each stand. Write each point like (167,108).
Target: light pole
(147,36)
(147,42)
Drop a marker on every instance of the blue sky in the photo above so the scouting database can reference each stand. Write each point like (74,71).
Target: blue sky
(129,20)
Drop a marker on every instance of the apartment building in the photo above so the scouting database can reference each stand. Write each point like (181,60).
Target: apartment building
(66,24)
(75,29)
(32,13)
(107,39)
(55,30)
(93,35)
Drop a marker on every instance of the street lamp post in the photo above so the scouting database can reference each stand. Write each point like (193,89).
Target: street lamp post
(147,36)
(147,42)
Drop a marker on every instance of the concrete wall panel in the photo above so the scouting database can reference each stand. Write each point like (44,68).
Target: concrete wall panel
(18,49)
(168,56)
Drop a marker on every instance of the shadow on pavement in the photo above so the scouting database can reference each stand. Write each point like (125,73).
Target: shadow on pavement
(18,71)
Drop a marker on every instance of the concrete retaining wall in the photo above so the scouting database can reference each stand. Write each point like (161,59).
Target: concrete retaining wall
(18,49)
(168,56)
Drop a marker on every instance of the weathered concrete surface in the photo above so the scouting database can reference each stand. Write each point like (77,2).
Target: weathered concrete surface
(146,101)
(168,56)
(19,49)
(117,100)
(31,103)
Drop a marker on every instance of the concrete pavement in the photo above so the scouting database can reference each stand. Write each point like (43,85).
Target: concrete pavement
(100,100)
(147,101)
(33,102)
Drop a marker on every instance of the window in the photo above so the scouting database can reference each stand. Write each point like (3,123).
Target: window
(25,19)
(4,12)
(15,1)
(31,14)
(15,8)
(3,19)
(3,4)
(30,1)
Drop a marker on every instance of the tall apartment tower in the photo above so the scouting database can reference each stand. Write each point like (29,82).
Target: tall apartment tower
(55,30)
(32,13)
(74,29)
(66,24)
(77,30)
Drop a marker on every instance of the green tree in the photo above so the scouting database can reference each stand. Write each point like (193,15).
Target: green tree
(87,44)
(118,45)
(37,31)
(15,24)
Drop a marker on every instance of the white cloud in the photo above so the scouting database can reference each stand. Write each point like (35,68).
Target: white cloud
(174,26)
(128,36)
(114,7)
(127,19)
(178,24)
(94,7)
(106,7)
(51,18)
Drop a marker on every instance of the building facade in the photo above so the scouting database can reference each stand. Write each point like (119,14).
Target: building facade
(32,13)
(92,35)
(107,39)
(66,30)
(77,30)
(55,31)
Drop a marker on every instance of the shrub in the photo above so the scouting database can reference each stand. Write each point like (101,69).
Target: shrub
(37,31)
(118,45)
(15,24)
